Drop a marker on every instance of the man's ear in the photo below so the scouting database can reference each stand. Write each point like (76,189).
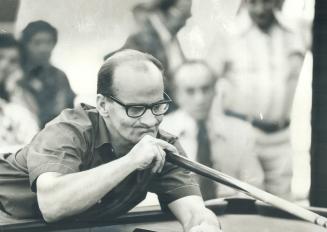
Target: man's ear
(102,105)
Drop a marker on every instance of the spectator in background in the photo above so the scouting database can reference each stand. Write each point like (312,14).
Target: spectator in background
(160,22)
(46,83)
(218,142)
(17,125)
(264,59)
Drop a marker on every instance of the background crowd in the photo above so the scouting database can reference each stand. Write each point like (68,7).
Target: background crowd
(232,108)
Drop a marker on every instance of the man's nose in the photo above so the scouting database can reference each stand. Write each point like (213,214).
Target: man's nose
(260,7)
(199,97)
(148,118)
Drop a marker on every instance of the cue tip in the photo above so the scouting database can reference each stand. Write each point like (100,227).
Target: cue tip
(321,221)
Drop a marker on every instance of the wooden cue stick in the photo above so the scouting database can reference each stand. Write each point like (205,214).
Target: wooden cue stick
(247,189)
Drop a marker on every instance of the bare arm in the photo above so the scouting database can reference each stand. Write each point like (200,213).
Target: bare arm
(60,196)
(190,211)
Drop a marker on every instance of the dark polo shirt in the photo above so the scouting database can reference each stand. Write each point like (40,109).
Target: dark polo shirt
(75,141)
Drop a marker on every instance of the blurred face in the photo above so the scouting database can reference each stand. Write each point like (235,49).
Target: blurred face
(9,61)
(140,16)
(261,12)
(195,90)
(141,85)
(40,47)
(177,16)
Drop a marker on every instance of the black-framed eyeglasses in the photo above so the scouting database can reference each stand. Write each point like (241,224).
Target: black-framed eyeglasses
(135,110)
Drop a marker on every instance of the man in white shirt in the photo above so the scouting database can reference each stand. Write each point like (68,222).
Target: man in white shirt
(263,61)
(218,141)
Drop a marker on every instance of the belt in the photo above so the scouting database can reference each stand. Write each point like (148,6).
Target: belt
(268,127)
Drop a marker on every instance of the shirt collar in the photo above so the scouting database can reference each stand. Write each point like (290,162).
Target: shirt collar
(244,23)
(103,134)
(284,22)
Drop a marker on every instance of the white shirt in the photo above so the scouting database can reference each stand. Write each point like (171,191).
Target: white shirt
(262,68)
(17,126)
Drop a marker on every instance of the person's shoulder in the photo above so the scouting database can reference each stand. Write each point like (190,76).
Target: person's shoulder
(57,72)
(288,24)
(81,117)
(137,41)
(296,32)
(142,40)
(75,125)
(242,25)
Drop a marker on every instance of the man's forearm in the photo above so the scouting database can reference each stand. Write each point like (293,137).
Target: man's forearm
(60,196)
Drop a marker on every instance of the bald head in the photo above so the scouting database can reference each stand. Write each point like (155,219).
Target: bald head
(195,85)
(136,78)
(133,59)
(191,71)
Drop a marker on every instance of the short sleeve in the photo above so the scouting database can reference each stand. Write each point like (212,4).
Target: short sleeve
(59,147)
(174,182)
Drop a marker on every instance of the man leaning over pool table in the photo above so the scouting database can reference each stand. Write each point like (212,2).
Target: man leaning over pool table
(91,160)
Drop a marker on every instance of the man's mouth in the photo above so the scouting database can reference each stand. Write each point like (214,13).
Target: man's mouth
(147,130)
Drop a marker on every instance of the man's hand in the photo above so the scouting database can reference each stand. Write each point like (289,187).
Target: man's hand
(204,225)
(149,151)
(193,215)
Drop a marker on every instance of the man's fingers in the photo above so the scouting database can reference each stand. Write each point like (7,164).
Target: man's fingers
(166,146)
(157,160)
(163,158)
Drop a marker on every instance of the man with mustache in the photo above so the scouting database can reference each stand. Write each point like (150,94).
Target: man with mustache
(101,161)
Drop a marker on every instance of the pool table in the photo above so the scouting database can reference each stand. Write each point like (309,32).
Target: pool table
(235,215)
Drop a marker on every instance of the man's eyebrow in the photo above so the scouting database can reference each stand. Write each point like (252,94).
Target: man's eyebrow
(147,104)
